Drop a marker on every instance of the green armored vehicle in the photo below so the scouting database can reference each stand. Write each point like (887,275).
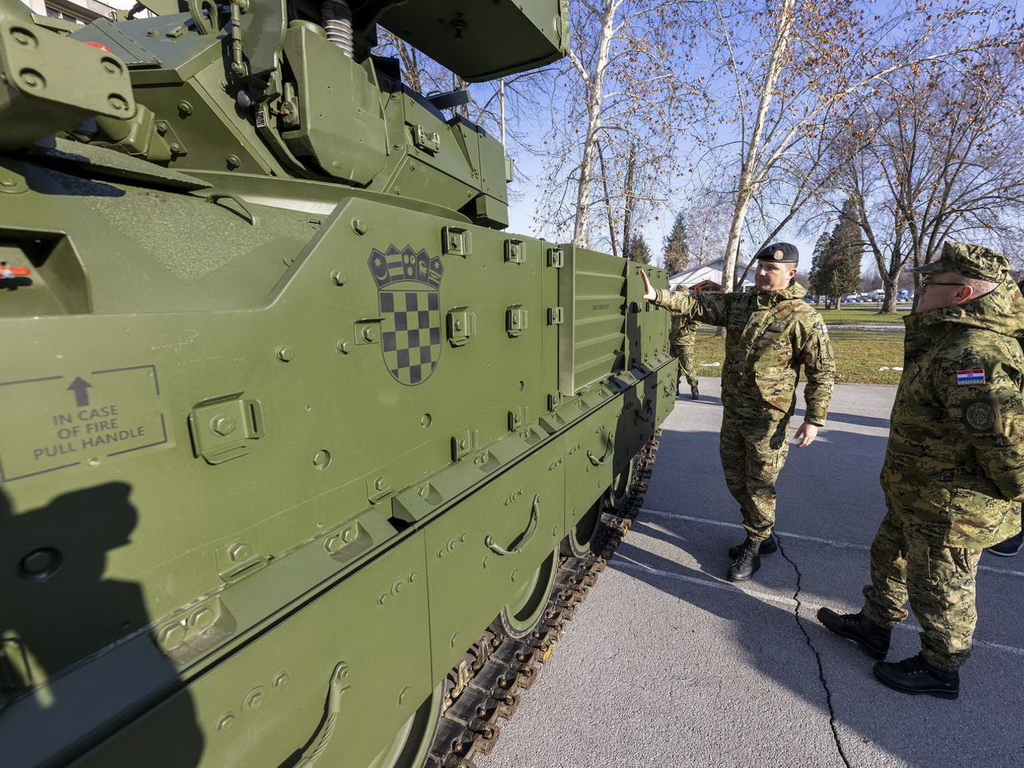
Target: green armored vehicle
(301,455)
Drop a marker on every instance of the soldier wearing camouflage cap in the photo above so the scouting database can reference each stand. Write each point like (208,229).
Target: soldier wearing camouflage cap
(681,339)
(953,475)
(771,333)
(1011,546)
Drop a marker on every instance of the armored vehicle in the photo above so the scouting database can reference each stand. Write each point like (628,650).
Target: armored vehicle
(299,450)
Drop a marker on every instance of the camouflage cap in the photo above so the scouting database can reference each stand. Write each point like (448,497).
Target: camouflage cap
(781,253)
(974,261)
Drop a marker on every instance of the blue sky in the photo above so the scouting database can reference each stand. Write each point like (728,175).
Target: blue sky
(525,189)
(522,213)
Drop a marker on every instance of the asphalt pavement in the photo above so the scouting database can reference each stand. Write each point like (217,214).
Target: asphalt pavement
(668,664)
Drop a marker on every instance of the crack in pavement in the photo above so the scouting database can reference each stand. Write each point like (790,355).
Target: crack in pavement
(817,656)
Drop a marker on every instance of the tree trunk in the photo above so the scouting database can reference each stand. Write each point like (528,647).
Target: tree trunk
(501,97)
(463,109)
(750,163)
(595,98)
(889,285)
(732,247)
(607,201)
(410,65)
(627,201)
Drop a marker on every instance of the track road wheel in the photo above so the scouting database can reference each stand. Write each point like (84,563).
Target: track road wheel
(618,492)
(409,747)
(577,542)
(524,611)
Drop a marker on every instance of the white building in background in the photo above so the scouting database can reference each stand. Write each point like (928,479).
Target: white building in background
(710,272)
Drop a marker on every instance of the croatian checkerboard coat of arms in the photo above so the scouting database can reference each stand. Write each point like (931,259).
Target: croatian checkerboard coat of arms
(409,297)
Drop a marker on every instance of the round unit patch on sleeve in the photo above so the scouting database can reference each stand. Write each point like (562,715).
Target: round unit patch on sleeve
(982,416)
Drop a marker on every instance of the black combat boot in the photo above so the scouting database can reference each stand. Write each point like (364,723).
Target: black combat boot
(694,394)
(747,562)
(916,676)
(872,638)
(768,546)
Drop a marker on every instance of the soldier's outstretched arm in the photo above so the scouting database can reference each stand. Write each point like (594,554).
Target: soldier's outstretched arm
(989,410)
(819,361)
(710,308)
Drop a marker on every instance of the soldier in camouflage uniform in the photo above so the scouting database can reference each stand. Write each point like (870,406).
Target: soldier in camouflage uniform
(770,333)
(1011,546)
(681,340)
(953,475)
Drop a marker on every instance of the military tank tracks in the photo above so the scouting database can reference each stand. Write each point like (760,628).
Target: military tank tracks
(487,685)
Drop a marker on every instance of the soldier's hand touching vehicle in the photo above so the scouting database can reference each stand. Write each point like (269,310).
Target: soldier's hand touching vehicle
(805,434)
(650,293)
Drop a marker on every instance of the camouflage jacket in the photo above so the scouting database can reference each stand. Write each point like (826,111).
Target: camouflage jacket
(683,331)
(769,335)
(955,459)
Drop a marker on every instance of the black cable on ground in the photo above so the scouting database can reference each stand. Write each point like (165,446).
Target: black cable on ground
(817,656)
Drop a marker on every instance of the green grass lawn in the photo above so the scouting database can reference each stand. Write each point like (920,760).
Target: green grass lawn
(861,314)
(860,355)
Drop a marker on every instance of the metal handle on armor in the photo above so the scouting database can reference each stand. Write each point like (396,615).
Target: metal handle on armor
(646,412)
(523,538)
(325,732)
(252,217)
(204,15)
(609,448)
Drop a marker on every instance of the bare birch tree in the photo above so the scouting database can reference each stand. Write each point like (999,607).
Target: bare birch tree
(787,73)
(614,95)
(707,218)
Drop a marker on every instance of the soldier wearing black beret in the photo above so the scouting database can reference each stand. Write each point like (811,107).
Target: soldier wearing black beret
(772,333)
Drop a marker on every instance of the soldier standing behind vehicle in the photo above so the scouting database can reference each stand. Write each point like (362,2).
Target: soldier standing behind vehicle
(681,340)
(1012,545)
(770,333)
(953,474)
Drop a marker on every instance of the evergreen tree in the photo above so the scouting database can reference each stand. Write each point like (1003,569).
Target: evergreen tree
(845,249)
(677,250)
(835,268)
(636,249)
(818,280)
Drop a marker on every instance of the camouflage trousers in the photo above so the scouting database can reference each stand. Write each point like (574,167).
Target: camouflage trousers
(753,450)
(684,354)
(937,580)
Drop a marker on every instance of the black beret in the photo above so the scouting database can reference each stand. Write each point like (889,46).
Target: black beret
(781,253)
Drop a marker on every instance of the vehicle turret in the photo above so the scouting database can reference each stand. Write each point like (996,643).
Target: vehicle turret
(268,88)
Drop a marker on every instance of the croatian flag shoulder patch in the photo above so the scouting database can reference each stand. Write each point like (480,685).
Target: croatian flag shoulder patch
(970,377)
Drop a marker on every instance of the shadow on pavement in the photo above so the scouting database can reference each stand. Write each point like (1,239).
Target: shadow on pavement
(851,418)
(830,504)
